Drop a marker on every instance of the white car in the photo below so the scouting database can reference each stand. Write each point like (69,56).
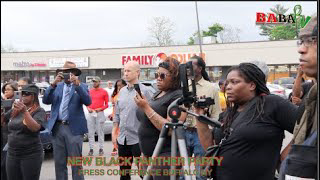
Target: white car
(107,127)
(277,90)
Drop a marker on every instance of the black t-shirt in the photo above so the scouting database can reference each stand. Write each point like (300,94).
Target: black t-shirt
(253,149)
(22,140)
(147,132)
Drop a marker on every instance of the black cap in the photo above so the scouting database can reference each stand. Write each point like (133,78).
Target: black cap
(30,88)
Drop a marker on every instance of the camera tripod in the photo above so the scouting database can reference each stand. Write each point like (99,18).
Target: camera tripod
(177,136)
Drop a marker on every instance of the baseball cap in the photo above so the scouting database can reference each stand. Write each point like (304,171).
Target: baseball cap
(311,29)
(30,88)
(96,79)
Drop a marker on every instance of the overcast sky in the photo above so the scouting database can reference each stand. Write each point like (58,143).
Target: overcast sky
(82,25)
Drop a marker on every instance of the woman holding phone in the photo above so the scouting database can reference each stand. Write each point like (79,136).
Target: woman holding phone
(8,90)
(25,121)
(153,114)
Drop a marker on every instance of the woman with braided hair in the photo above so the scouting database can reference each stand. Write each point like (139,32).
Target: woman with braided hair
(253,127)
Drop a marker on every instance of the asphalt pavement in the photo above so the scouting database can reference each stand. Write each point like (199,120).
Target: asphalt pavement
(99,172)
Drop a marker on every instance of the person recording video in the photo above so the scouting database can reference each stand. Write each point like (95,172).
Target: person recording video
(153,114)
(253,126)
(67,121)
(204,88)
(25,120)
(8,94)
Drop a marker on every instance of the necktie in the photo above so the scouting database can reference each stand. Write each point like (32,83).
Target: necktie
(65,103)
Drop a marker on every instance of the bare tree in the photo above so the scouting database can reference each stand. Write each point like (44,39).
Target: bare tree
(7,48)
(229,34)
(161,30)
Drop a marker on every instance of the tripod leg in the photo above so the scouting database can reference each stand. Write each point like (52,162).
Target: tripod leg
(183,150)
(157,149)
(173,151)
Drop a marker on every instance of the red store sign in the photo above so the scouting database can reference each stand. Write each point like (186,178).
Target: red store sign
(28,64)
(153,60)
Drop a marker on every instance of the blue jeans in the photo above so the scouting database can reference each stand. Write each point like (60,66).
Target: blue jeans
(194,148)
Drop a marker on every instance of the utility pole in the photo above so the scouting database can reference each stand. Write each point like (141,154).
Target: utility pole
(199,35)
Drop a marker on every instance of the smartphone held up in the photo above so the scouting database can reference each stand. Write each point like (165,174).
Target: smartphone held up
(137,88)
(17,96)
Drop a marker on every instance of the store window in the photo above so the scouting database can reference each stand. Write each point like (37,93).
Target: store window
(146,74)
(278,71)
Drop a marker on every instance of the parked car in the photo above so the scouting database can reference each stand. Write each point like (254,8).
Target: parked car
(286,82)
(45,136)
(152,83)
(277,90)
(107,126)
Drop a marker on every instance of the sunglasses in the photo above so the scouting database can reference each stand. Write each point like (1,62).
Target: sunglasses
(24,93)
(161,75)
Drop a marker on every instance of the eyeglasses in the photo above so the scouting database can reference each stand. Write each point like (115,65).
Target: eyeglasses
(161,75)
(307,42)
(24,93)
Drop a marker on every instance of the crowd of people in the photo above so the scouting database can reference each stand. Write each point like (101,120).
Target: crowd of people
(249,140)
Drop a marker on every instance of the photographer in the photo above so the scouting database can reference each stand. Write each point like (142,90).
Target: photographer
(204,88)
(67,121)
(25,121)
(253,127)
(153,114)
(8,94)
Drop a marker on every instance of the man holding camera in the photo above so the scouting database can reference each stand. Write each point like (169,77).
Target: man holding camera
(67,122)
(204,88)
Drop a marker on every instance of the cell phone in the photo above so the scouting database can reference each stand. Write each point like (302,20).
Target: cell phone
(137,88)
(66,76)
(6,103)
(17,95)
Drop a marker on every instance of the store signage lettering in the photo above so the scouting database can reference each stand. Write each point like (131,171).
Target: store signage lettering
(59,62)
(28,64)
(153,60)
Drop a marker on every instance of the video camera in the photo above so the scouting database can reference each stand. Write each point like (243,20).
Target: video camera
(186,73)
(190,98)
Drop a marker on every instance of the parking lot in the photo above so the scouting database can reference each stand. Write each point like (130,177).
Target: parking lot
(48,173)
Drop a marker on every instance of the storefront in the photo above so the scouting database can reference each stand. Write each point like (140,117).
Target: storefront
(281,57)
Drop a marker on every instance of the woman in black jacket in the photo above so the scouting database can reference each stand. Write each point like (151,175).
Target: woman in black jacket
(253,125)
